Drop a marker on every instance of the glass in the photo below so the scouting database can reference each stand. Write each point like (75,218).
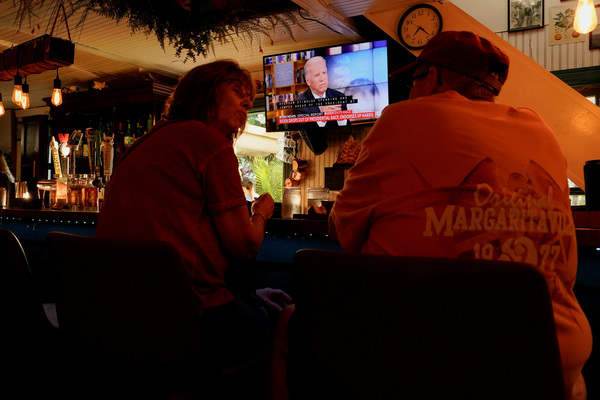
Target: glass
(44,188)
(3,197)
(239,88)
(316,196)
(291,202)
(58,195)
(20,189)
(91,198)
(82,195)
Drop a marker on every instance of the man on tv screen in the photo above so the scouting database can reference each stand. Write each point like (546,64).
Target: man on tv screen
(308,103)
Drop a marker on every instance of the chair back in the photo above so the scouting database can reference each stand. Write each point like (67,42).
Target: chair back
(30,343)
(128,298)
(382,327)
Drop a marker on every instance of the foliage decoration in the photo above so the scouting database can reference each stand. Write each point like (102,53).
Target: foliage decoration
(269,176)
(192,27)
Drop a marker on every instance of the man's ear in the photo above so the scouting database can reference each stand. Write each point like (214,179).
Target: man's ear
(434,80)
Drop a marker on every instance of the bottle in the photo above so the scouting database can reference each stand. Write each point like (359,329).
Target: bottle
(149,123)
(118,143)
(138,129)
(128,139)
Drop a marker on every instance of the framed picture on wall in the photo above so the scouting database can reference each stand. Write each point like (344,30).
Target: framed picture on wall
(595,34)
(525,14)
(560,25)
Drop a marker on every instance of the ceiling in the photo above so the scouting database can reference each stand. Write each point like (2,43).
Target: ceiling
(108,52)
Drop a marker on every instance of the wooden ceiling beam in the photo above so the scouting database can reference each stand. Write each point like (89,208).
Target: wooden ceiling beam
(322,11)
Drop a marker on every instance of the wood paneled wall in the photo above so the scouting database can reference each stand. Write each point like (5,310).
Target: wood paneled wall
(534,44)
(317,164)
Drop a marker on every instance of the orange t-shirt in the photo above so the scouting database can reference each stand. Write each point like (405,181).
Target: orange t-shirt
(445,176)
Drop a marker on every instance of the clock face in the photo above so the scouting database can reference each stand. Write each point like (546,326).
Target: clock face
(418,25)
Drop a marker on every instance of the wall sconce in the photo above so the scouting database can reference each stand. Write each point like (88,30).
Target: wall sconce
(2,110)
(585,17)
(18,89)
(57,91)
(25,96)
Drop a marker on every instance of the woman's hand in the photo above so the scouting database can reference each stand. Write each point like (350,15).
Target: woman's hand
(263,205)
(276,299)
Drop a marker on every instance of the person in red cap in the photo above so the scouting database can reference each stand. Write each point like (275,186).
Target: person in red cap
(451,173)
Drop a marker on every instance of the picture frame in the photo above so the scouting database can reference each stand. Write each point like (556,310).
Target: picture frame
(561,25)
(525,14)
(595,34)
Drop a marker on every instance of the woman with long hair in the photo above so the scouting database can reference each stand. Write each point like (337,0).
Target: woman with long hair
(180,184)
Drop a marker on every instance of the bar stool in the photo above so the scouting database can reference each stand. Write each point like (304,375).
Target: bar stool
(31,346)
(383,327)
(129,311)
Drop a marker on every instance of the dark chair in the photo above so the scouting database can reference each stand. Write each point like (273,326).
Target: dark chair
(128,308)
(30,351)
(383,327)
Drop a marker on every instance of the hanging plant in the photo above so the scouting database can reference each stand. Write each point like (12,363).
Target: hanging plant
(192,27)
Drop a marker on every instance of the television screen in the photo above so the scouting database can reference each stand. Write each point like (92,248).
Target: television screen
(330,86)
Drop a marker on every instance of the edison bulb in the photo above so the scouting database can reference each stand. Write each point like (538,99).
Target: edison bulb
(17,94)
(56,97)
(25,101)
(585,17)
(2,110)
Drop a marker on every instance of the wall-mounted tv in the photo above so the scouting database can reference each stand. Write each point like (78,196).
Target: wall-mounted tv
(355,77)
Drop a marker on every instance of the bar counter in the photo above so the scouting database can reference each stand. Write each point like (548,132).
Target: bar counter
(283,237)
(587,223)
(275,226)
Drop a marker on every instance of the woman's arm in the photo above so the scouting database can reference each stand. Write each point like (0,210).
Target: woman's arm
(241,234)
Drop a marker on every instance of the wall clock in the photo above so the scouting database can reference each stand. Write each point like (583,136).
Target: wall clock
(418,25)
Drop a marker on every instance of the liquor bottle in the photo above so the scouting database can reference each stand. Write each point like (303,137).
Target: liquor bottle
(118,143)
(139,132)
(129,139)
(149,123)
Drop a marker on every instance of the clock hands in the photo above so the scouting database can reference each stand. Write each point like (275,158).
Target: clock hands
(421,29)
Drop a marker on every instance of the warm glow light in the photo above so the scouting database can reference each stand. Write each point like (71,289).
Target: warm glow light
(25,96)
(26,195)
(18,90)
(585,17)
(57,92)
(57,97)
(25,101)
(2,110)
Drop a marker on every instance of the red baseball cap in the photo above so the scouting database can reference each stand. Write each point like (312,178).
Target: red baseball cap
(465,53)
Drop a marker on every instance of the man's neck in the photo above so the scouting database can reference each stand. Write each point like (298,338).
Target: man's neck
(316,96)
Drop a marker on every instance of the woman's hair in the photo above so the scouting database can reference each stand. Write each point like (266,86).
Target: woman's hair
(4,168)
(196,95)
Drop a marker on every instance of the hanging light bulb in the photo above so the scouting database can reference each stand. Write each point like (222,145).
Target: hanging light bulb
(25,96)
(585,17)
(2,110)
(57,92)
(18,89)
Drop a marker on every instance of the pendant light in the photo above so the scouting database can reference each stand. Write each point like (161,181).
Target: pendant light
(25,96)
(2,110)
(585,17)
(18,89)
(57,91)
